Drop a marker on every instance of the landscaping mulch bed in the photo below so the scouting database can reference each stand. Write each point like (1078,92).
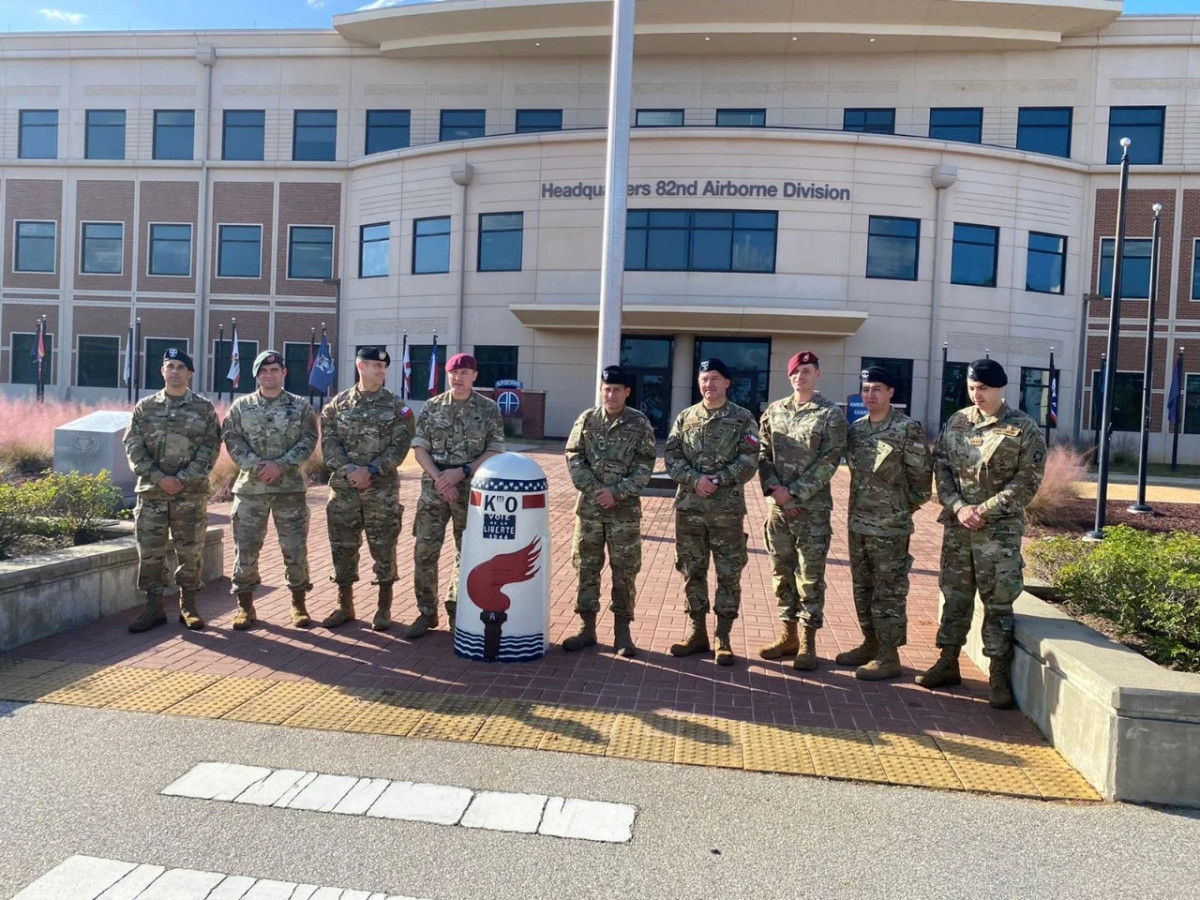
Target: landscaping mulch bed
(1080,516)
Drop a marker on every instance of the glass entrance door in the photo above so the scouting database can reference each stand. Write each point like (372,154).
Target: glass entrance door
(648,361)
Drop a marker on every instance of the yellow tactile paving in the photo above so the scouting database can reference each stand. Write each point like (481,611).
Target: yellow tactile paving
(937,761)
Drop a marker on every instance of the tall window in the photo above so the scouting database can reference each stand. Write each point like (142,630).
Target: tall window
(1035,394)
(243,134)
(295,354)
(954,389)
(668,240)
(531,120)
(105,137)
(174,133)
(418,355)
(102,250)
(222,360)
(951,123)
(310,251)
(431,245)
(741,118)
(1045,263)
(893,247)
(314,135)
(1196,269)
(1127,401)
(23,368)
(870,121)
(461,124)
(38,136)
(152,379)
(1135,273)
(239,251)
(1045,129)
(170,250)
(1191,405)
(35,247)
(973,260)
(387,129)
(98,361)
(496,363)
(658,118)
(373,246)
(500,241)
(902,370)
(1141,124)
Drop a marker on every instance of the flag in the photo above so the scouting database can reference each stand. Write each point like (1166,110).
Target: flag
(1173,404)
(1053,393)
(323,370)
(433,369)
(235,365)
(406,370)
(128,374)
(312,351)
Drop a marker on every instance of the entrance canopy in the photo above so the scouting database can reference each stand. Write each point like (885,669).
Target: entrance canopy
(650,318)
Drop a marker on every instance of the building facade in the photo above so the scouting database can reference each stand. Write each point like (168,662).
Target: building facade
(912,185)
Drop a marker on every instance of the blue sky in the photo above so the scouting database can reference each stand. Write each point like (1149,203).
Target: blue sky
(120,15)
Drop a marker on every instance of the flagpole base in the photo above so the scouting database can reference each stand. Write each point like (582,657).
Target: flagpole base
(1141,509)
(1093,537)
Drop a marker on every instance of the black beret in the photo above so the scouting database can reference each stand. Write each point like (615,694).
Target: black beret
(715,365)
(987,371)
(375,354)
(878,375)
(616,375)
(174,353)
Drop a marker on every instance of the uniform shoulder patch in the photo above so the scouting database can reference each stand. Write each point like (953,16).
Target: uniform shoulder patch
(405,411)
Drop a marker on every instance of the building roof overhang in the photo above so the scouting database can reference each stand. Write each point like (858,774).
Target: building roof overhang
(534,28)
(698,320)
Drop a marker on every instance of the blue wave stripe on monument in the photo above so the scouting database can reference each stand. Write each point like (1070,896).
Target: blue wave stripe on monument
(521,649)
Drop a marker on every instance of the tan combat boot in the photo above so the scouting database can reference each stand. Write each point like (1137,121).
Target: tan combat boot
(245,615)
(1000,682)
(787,644)
(884,666)
(696,638)
(151,616)
(724,654)
(860,655)
(622,640)
(300,617)
(586,636)
(942,673)
(344,611)
(187,610)
(383,615)
(421,626)
(806,655)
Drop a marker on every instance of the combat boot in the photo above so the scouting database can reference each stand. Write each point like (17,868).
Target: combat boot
(724,655)
(1000,682)
(860,655)
(622,640)
(300,617)
(696,638)
(151,616)
(586,636)
(383,615)
(884,666)
(942,673)
(187,610)
(246,615)
(806,655)
(344,611)
(421,625)
(787,644)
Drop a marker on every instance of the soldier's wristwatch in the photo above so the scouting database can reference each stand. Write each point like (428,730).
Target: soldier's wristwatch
(715,479)
(373,470)
(466,470)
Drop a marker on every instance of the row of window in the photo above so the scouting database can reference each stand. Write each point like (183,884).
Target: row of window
(314,131)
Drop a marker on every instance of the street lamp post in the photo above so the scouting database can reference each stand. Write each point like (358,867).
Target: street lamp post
(1114,333)
(1140,507)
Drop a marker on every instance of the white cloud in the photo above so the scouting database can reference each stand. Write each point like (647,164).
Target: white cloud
(315,4)
(58,15)
(384,4)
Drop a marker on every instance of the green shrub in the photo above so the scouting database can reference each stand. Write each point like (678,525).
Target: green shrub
(17,511)
(81,502)
(1147,585)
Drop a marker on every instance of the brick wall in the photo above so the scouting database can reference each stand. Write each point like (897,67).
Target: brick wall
(32,199)
(243,203)
(307,204)
(167,202)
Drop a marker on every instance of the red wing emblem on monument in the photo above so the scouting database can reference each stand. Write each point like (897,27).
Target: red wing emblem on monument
(486,579)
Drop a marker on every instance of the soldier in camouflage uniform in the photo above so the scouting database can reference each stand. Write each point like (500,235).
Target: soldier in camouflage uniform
(610,455)
(172,442)
(712,451)
(365,435)
(891,469)
(988,461)
(803,439)
(269,434)
(459,430)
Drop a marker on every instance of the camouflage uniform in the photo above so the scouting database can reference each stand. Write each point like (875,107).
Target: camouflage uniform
(454,433)
(177,436)
(802,444)
(722,444)
(891,470)
(994,462)
(283,430)
(617,454)
(360,429)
